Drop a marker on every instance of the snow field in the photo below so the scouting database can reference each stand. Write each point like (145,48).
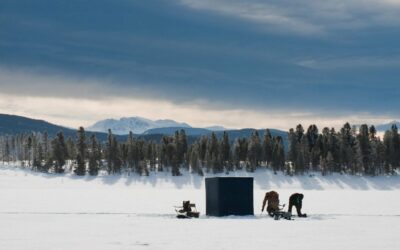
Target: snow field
(41,211)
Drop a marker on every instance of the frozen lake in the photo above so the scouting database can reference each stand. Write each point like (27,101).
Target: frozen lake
(117,212)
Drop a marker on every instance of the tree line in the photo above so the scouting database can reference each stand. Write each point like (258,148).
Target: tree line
(350,150)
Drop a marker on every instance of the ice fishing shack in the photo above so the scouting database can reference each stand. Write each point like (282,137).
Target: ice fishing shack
(229,196)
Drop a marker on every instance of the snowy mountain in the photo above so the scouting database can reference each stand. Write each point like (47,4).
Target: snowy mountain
(387,126)
(216,128)
(14,124)
(136,124)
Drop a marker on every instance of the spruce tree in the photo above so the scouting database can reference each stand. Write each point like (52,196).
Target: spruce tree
(203,149)
(59,152)
(363,138)
(347,147)
(181,146)
(81,152)
(225,149)
(312,146)
(396,147)
(389,153)
(293,146)
(164,158)
(150,155)
(46,153)
(334,148)
(267,147)
(236,154)
(94,156)
(194,160)
(330,162)
(37,154)
(375,161)
(6,156)
(254,151)
(28,150)
(116,159)
(214,159)
(278,155)
(131,156)
(71,148)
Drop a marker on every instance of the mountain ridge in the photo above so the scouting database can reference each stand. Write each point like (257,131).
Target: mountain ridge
(139,125)
(13,124)
(387,126)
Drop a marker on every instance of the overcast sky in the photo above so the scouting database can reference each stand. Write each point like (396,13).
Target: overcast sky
(253,63)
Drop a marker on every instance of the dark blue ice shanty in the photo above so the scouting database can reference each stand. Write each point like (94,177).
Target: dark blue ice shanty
(229,196)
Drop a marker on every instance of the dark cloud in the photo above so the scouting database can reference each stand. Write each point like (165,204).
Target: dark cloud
(184,52)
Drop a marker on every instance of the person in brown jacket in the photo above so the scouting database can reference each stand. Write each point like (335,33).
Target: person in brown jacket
(272,198)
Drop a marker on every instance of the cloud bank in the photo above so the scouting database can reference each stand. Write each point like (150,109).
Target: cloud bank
(311,60)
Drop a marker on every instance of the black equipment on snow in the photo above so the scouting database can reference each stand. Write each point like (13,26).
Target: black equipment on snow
(281,214)
(187,210)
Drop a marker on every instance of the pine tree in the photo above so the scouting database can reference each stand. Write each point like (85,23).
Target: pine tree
(71,148)
(173,157)
(299,133)
(363,138)
(330,162)
(302,159)
(116,162)
(334,148)
(181,146)
(225,149)
(164,158)
(37,153)
(6,155)
(292,154)
(267,147)
(236,154)
(347,144)
(380,157)
(241,151)
(110,152)
(46,153)
(375,164)
(194,159)
(299,152)
(396,147)
(81,152)
(59,152)
(150,155)
(214,159)
(131,155)
(278,154)
(391,141)
(357,158)
(94,156)
(388,155)
(254,151)
(28,150)
(312,146)
(203,149)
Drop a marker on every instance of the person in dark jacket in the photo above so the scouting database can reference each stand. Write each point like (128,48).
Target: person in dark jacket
(297,201)
(273,202)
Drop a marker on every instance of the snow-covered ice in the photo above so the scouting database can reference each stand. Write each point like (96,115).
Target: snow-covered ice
(43,211)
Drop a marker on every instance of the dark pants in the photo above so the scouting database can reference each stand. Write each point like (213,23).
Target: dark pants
(298,209)
(271,210)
